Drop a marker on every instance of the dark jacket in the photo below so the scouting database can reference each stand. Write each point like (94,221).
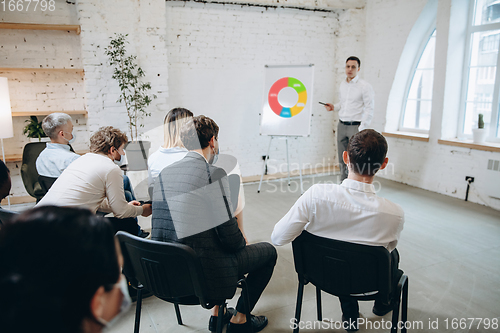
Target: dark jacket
(192,196)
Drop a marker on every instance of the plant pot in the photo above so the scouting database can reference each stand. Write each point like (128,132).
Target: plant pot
(478,135)
(137,155)
(45,139)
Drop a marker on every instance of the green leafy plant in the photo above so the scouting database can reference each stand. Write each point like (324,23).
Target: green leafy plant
(134,93)
(480,121)
(34,128)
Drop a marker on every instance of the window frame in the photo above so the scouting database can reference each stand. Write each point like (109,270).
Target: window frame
(416,61)
(491,136)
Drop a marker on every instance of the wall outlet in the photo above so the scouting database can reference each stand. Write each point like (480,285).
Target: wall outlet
(469,179)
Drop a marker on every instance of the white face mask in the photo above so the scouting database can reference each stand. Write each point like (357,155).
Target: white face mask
(126,303)
(121,160)
(73,138)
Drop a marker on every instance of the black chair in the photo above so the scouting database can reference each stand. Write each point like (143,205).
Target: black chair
(170,271)
(6,215)
(28,169)
(46,182)
(347,269)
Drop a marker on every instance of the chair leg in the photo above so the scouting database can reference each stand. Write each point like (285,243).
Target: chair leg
(138,311)
(242,283)
(318,303)
(220,317)
(395,316)
(404,306)
(298,307)
(178,314)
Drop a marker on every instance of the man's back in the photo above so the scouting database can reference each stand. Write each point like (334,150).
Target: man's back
(191,205)
(349,212)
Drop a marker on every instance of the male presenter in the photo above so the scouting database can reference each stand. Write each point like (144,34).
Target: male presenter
(355,108)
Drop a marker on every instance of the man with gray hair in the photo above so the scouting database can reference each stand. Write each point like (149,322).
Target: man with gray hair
(56,157)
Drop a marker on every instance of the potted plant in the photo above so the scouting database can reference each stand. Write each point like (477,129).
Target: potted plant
(479,133)
(135,95)
(34,130)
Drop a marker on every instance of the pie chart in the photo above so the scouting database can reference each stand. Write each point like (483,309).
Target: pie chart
(287,97)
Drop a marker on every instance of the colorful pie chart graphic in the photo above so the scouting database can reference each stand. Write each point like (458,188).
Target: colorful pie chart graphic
(287,97)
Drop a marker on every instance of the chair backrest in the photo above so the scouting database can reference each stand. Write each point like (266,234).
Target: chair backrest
(28,169)
(46,182)
(234,187)
(169,270)
(342,268)
(6,215)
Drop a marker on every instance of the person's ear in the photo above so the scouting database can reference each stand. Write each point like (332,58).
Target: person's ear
(212,142)
(386,161)
(345,157)
(97,303)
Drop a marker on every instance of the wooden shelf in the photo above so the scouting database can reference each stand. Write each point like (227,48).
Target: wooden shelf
(486,146)
(43,69)
(407,135)
(19,157)
(30,26)
(44,113)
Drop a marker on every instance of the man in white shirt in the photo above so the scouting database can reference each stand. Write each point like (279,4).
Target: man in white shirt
(350,212)
(95,182)
(57,155)
(355,108)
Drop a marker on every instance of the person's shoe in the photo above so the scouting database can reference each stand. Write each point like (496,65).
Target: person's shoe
(381,309)
(351,324)
(256,324)
(212,323)
(143,234)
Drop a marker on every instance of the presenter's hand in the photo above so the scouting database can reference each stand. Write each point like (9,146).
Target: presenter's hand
(329,107)
(147,210)
(134,203)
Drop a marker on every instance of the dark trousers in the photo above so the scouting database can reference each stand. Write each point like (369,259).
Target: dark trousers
(349,305)
(128,224)
(344,133)
(258,261)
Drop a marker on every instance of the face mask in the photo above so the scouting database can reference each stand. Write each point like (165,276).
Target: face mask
(121,160)
(72,139)
(126,303)
(216,156)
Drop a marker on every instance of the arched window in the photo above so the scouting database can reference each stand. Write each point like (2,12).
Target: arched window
(482,86)
(416,116)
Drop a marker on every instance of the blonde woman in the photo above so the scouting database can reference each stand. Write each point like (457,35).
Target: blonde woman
(173,150)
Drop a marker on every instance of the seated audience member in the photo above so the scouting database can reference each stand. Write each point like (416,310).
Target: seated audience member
(191,205)
(350,212)
(95,182)
(5,182)
(173,150)
(57,155)
(60,273)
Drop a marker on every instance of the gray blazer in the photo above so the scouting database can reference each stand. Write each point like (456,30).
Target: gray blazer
(186,195)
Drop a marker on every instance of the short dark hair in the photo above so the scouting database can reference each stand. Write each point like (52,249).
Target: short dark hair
(53,260)
(105,138)
(355,59)
(198,132)
(367,150)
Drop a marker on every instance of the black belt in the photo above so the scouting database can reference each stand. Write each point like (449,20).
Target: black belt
(357,123)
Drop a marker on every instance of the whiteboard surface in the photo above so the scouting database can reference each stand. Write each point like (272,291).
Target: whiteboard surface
(287,100)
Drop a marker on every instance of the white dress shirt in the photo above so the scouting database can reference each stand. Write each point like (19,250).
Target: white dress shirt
(92,181)
(356,102)
(350,212)
(54,159)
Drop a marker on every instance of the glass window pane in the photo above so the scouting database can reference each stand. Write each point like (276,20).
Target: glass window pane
(472,111)
(417,113)
(486,11)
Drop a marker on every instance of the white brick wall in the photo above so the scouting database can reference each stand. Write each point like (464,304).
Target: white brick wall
(216,58)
